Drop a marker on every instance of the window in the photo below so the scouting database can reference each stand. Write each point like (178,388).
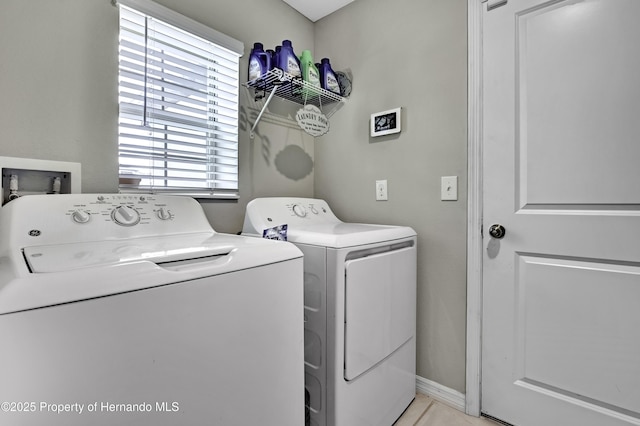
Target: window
(178,104)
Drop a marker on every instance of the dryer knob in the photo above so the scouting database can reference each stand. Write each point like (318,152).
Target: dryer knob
(299,210)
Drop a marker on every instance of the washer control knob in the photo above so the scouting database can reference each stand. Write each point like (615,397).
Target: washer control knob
(163,214)
(299,210)
(81,216)
(125,216)
(313,209)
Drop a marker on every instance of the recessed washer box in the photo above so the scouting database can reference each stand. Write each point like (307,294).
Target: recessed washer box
(28,176)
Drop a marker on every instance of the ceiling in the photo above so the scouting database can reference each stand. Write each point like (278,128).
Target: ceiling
(316,9)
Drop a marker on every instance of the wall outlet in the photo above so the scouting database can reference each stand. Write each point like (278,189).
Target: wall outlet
(381,190)
(449,189)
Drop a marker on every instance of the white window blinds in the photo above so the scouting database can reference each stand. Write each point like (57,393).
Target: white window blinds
(178,98)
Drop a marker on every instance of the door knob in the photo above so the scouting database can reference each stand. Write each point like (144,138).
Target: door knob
(497,231)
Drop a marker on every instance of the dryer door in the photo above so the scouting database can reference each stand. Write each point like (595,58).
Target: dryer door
(380,307)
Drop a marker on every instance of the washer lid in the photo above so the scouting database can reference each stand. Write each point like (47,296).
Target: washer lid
(342,235)
(66,273)
(159,250)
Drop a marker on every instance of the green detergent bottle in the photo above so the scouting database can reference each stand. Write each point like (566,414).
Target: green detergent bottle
(310,75)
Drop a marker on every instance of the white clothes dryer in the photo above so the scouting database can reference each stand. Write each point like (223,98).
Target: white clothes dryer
(360,310)
(132,310)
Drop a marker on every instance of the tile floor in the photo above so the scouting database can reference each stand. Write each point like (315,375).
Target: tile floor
(425,411)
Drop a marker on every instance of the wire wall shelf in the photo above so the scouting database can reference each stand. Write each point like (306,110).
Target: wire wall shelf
(286,86)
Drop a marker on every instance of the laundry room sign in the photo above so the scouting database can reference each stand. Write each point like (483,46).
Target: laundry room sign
(312,120)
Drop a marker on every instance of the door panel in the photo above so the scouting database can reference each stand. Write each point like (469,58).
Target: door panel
(578,103)
(565,353)
(561,291)
(379,308)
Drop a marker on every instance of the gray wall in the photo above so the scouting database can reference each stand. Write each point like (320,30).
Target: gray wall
(58,86)
(411,54)
(58,79)
(58,76)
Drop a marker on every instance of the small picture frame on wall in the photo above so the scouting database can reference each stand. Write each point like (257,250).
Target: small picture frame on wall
(386,122)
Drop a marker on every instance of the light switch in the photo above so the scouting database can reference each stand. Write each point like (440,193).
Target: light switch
(381,190)
(449,189)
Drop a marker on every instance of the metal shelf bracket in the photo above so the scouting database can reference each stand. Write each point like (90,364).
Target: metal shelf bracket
(290,88)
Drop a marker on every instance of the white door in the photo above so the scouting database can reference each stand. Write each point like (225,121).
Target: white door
(561,148)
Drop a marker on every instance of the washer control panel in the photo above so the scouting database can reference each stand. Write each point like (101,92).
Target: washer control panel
(46,219)
(122,210)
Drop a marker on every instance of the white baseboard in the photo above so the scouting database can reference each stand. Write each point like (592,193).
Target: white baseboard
(441,393)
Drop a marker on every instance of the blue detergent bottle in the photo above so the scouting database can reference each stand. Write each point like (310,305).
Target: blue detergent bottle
(271,55)
(287,59)
(275,59)
(328,80)
(259,62)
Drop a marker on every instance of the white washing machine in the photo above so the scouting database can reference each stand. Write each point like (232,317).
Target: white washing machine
(360,309)
(131,310)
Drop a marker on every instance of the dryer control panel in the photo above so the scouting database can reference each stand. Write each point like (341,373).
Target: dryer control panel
(264,213)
